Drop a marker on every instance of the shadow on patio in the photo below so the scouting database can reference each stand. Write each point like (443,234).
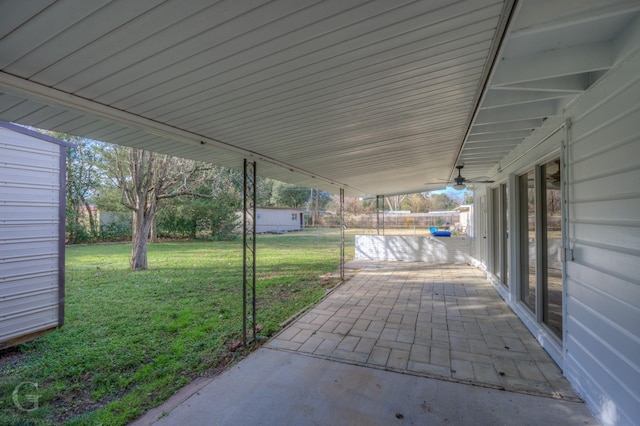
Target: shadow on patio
(440,321)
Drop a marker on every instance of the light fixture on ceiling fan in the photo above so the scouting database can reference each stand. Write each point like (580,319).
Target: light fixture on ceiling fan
(460,181)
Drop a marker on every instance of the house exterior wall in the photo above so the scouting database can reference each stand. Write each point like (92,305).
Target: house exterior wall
(278,220)
(32,208)
(598,139)
(602,344)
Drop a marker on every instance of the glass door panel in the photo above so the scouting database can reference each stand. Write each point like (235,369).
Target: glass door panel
(504,235)
(552,304)
(528,292)
(496,259)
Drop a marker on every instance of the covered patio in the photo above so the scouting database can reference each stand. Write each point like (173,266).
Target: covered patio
(534,102)
(398,342)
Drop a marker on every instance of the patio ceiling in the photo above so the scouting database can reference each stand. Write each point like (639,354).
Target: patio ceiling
(376,97)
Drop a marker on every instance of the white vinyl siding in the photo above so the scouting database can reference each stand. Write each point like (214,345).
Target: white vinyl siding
(30,222)
(599,352)
(602,344)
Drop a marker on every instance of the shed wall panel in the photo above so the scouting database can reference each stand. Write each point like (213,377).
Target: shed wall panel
(16,193)
(25,266)
(29,231)
(21,304)
(10,250)
(34,283)
(30,220)
(27,324)
(32,210)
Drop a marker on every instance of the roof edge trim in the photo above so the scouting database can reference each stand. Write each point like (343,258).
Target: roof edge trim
(510,11)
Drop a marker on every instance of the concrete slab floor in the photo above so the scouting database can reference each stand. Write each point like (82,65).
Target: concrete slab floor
(273,387)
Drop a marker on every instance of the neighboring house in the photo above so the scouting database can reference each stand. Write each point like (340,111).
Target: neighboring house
(278,219)
(32,232)
(85,213)
(118,219)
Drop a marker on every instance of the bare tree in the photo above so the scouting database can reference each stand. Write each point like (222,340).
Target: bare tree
(418,203)
(145,178)
(394,202)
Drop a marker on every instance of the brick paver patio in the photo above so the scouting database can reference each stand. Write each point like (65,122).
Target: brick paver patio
(439,321)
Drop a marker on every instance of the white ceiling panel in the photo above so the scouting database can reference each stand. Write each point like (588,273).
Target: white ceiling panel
(376,97)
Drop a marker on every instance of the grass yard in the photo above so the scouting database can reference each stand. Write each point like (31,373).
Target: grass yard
(132,339)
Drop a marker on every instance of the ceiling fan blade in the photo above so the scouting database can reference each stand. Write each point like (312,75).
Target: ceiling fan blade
(478,181)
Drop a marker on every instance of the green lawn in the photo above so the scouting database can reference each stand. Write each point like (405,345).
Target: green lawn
(131,339)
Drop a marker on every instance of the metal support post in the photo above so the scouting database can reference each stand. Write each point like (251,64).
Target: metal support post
(377,215)
(342,229)
(379,211)
(249,250)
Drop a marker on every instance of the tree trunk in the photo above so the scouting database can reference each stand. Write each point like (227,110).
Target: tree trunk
(153,234)
(92,220)
(141,227)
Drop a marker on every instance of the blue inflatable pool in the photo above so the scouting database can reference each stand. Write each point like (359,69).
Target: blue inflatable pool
(437,233)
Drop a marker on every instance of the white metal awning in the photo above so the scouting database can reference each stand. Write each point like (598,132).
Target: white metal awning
(377,97)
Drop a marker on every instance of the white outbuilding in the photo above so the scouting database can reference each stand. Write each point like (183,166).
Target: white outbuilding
(32,234)
(278,219)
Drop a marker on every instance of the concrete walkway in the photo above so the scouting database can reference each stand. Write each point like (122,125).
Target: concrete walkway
(399,343)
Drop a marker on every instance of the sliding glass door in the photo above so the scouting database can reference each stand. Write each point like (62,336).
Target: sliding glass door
(540,229)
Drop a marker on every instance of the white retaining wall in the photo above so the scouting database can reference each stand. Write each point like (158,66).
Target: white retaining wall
(411,248)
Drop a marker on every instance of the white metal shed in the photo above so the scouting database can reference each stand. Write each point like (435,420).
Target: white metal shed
(278,219)
(32,226)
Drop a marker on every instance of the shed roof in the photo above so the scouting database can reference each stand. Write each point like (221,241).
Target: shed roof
(34,134)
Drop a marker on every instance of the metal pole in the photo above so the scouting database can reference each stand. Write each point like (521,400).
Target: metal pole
(381,209)
(383,215)
(249,247)
(244,254)
(378,214)
(253,248)
(342,228)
